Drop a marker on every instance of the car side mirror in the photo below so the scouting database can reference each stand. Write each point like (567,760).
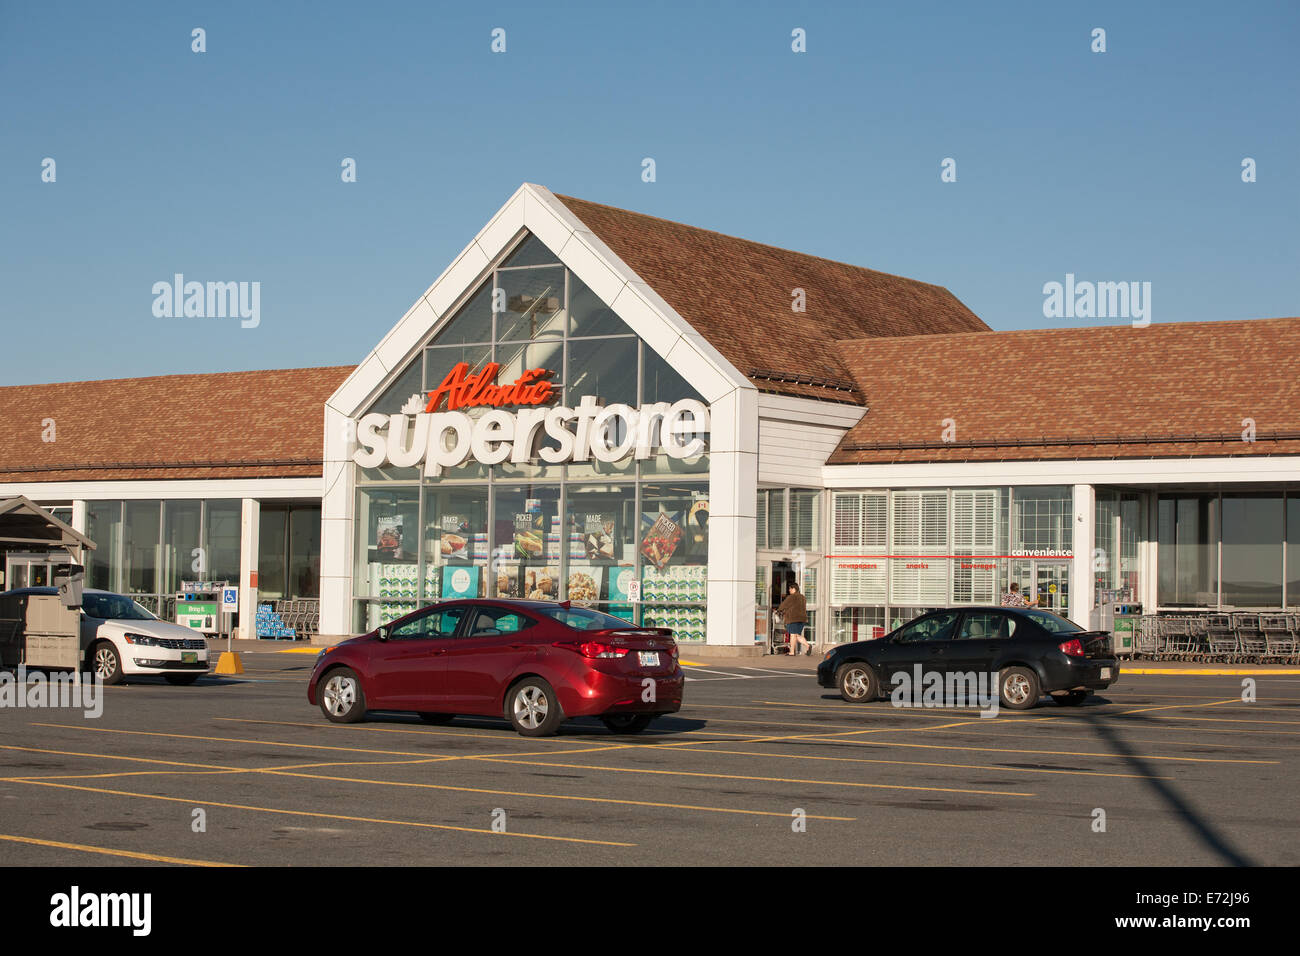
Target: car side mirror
(384,632)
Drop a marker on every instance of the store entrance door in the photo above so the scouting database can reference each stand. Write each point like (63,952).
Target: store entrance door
(783,575)
(1048,580)
(1053,582)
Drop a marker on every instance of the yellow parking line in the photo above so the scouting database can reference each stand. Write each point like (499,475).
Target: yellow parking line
(1053,753)
(316,814)
(129,854)
(920,763)
(285,771)
(733,776)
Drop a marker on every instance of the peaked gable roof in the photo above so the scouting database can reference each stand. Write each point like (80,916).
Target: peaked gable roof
(738,294)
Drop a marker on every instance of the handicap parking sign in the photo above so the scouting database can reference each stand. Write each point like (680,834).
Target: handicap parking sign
(229,599)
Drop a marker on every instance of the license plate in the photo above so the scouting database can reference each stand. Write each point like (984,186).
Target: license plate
(648,658)
(1105,673)
(189,657)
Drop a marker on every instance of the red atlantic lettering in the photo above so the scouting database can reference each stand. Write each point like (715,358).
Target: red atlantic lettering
(462,390)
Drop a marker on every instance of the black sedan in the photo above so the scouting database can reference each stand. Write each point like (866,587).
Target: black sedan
(1032,652)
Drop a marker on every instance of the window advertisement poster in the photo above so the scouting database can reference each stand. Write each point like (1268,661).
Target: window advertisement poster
(454,538)
(388,536)
(598,535)
(661,534)
(584,585)
(530,533)
(461,582)
(622,583)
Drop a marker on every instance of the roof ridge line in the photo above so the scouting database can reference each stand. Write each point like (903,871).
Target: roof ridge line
(755,242)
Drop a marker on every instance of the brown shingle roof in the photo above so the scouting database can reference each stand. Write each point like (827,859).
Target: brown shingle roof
(169,426)
(737,294)
(1164,391)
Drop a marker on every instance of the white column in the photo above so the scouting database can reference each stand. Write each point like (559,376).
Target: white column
(336,532)
(733,492)
(79,515)
(1082,580)
(250,524)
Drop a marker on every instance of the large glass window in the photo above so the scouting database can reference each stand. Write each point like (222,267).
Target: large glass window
(104,527)
(455,540)
(805,519)
(387,533)
(600,541)
(182,531)
(526,543)
(674,547)
(1188,534)
(272,542)
(1252,550)
(605,368)
(222,540)
(530,304)
(141,535)
(1293,550)
(1044,519)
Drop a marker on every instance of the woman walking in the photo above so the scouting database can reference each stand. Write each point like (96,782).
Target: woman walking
(794,612)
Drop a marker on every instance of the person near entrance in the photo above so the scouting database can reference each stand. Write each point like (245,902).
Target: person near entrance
(794,612)
(1013,598)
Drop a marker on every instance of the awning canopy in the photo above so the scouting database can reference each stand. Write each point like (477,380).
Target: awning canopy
(25,524)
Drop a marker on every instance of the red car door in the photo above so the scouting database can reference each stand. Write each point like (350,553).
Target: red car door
(495,642)
(408,665)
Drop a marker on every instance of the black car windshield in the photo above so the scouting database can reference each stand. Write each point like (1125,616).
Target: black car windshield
(583,618)
(114,607)
(1051,623)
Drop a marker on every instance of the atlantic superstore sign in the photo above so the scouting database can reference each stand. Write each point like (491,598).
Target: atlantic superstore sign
(521,417)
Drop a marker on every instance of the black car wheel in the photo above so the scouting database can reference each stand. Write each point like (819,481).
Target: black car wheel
(857,682)
(106,664)
(341,697)
(1071,698)
(533,708)
(1020,688)
(432,718)
(627,723)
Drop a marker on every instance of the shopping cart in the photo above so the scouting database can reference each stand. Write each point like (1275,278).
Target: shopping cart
(1280,641)
(1250,639)
(1220,638)
(1146,642)
(1180,642)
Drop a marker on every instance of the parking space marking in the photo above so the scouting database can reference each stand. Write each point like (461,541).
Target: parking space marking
(920,763)
(129,854)
(1055,753)
(213,770)
(320,815)
(734,776)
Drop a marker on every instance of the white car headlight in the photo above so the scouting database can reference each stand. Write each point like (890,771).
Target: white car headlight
(141,640)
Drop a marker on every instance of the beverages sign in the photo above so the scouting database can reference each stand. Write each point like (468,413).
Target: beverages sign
(445,439)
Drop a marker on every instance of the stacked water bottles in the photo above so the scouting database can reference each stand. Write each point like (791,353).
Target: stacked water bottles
(665,591)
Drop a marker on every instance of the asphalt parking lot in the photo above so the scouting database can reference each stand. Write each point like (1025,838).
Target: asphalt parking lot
(1185,772)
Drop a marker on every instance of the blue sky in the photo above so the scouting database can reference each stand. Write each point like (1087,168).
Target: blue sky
(225,165)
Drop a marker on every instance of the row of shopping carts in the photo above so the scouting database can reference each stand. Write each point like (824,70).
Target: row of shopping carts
(1239,637)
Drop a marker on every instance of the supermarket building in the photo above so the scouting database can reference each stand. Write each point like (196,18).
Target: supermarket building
(672,424)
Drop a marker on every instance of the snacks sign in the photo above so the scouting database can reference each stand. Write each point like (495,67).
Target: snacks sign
(436,440)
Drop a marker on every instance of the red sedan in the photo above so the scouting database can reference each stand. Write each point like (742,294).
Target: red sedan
(534,662)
